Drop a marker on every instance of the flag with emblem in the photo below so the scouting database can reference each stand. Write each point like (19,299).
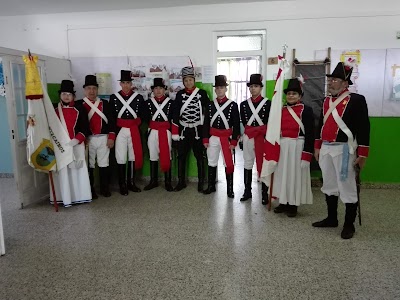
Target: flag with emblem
(47,140)
(273,135)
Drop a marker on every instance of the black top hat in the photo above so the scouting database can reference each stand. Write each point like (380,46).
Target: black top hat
(67,86)
(342,71)
(90,80)
(126,75)
(294,85)
(255,79)
(188,71)
(159,82)
(220,80)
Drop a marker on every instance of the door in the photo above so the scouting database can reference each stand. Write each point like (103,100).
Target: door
(32,186)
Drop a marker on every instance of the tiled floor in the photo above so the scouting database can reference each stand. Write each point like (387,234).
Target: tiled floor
(160,245)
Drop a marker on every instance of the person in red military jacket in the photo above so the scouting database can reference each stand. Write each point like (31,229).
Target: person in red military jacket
(71,183)
(101,140)
(158,114)
(221,132)
(292,181)
(342,145)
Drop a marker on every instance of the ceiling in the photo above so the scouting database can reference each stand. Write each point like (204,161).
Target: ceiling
(33,7)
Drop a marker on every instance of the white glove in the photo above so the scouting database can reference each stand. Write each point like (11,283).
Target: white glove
(73,142)
(304,164)
(175,137)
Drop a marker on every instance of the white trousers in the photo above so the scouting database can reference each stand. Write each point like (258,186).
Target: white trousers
(249,152)
(154,147)
(124,146)
(213,150)
(98,150)
(330,161)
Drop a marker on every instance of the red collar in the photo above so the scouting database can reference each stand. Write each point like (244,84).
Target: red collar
(190,90)
(342,92)
(126,95)
(161,99)
(257,99)
(222,100)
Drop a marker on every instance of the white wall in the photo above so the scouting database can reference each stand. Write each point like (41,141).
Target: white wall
(306,25)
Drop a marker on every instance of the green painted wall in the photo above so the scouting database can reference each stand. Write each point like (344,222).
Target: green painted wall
(383,164)
(52,89)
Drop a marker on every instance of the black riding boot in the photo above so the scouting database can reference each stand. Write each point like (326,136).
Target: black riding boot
(104,181)
(167,181)
(348,227)
(123,189)
(91,178)
(131,178)
(200,174)
(247,185)
(229,185)
(181,174)
(212,174)
(153,176)
(331,220)
(264,194)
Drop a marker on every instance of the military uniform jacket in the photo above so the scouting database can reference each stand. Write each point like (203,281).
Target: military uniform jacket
(97,124)
(192,115)
(76,120)
(290,128)
(150,110)
(353,111)
(138,106)
(246,112)
(231,113)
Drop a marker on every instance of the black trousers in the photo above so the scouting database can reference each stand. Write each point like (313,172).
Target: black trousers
(190,142)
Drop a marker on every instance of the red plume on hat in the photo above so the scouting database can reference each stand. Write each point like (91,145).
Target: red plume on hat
(349,64)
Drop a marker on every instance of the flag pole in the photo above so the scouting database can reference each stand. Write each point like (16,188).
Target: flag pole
(53,191)
(271,185)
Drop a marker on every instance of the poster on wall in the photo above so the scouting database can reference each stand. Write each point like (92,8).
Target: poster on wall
(144,69)
(105,83)
(368,74)
(2,86)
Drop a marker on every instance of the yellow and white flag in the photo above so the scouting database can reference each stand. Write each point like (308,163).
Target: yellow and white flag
(47,140)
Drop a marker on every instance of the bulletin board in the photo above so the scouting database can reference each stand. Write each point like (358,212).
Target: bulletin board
(144,69)
(376,75)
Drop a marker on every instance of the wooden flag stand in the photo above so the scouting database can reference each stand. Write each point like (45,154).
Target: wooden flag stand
(53,191)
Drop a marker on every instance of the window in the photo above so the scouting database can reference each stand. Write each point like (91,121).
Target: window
(239,43)
(240,54)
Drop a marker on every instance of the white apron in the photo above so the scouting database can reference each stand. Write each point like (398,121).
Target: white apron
(71,183)
(292,184)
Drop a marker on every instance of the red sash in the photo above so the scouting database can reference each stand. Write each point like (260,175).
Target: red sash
(224,135)
(133,125)
(165,158)
(258,133)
